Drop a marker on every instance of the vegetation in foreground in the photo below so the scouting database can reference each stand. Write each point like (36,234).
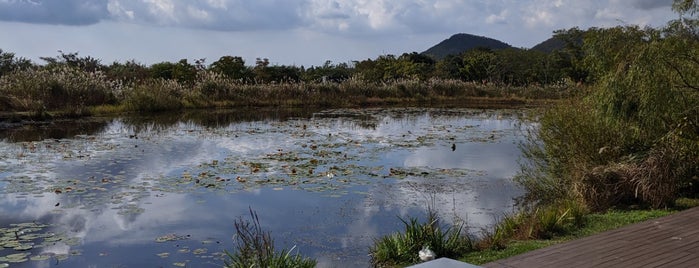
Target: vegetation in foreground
(255,248)
(631,140)
(402,248)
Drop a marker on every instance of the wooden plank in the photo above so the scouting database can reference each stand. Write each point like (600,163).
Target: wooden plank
(662,260)
(671,241)
(691,260)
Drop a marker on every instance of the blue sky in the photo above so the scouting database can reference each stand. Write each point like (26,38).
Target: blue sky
(299,32)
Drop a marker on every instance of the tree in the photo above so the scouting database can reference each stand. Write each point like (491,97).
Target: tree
(449,67)
(329,72)
(72,60)
(129,71)
(417,65)
(232,67)
(634,137)
(479,65)
(184,72)
(570,58)
(9,63)
(162,70)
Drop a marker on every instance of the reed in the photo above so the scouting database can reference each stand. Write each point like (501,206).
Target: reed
(255,248)
(402,248)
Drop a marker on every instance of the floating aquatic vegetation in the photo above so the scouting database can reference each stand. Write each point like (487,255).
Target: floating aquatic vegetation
(15,258)
(170,237)
(126,170)
(23,237)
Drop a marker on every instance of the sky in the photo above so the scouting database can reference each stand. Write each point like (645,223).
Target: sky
(293,32)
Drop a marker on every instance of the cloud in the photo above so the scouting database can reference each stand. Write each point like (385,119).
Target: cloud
(650,4)
(68,12)
(222,15)
(353,17)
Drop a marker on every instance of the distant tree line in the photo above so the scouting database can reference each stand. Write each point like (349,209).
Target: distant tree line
(511,67)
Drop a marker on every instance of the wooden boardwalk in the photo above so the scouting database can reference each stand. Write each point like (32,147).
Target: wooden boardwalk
(671,241)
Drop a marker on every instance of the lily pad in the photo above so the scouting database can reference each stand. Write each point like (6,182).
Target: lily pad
(40,257)
(15,258)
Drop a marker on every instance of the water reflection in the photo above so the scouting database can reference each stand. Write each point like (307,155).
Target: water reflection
(328,182)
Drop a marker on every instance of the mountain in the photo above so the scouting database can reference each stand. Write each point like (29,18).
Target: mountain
(550,45)
(459,43)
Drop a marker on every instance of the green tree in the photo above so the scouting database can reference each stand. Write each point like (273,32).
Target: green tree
(634,138)
(449,67)
(479,65)
(232,67)
(266,73)
(131,71)
(9,63)
(329,72)
(570,59)
(184,72)
(73,60)
(417,65)
(162,70)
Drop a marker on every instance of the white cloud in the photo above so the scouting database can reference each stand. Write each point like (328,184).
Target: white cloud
(500,18)
(198,14)
(162,9)
(296,31)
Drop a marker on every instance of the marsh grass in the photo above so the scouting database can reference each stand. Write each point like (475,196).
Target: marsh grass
(154,95)
(540,222)
(64,89)
(402,248)
(74,92)
(255,248)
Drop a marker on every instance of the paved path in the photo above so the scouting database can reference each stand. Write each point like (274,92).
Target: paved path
(671,241)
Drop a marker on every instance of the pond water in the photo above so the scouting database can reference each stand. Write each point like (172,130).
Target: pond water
(164,191)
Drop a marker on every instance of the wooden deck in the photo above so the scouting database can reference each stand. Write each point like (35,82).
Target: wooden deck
(671,241)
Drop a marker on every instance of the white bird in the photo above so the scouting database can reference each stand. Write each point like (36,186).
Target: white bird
(426,254)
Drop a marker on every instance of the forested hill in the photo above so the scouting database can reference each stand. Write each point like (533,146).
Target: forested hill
(550,45)
(459,43)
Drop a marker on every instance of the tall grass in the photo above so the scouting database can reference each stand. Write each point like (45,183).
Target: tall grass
(402,248)
(155,95)
(255,248)
(62,88)
(539,222)
(77,91)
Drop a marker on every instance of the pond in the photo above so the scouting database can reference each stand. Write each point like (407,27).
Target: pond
(165,190)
